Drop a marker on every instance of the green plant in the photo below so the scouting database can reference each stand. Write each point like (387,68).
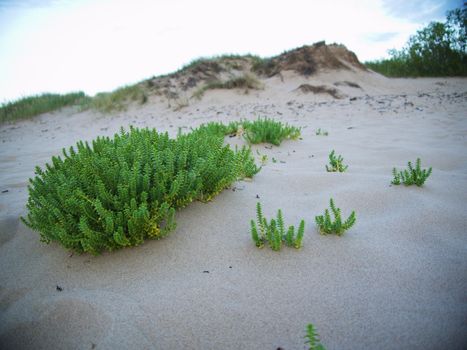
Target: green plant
(320,132)
(31,106)
(274,232)
(246,163)
(257,131)
(269,130)
(439,49)
(220,129)
(117,192)
(312,337)
(118,99)
(411,176)
(326,225)
(336,163)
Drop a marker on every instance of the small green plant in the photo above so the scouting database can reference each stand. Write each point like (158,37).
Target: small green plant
(411,176)
(312,338)
(327,226)
(320,132)
(274,232)
(269,130)
(336,163)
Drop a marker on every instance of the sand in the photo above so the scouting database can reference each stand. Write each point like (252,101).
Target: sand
(396,280)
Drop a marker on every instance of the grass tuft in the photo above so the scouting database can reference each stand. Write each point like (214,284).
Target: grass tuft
(118,99)
(31,106)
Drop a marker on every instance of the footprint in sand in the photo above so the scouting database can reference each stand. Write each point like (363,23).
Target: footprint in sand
(8,228)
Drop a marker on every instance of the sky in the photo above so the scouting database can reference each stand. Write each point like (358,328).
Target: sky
(98,45)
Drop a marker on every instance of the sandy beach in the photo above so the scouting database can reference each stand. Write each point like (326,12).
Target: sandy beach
(396,280)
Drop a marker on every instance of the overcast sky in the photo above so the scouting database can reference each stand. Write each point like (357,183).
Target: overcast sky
(98,45)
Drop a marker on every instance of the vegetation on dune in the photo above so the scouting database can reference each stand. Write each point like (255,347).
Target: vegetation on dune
(212,63)
(264,66)
(411,176)
(439,49)
(31,106)
(327,225)
(245,81)
(118,99)
(274,232)
(258,131)
(117,192)
(269,130)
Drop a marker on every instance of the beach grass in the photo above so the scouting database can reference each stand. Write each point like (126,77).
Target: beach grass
(118,99)
(31,106)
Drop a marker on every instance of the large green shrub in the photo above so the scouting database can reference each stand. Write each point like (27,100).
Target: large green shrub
(117,192)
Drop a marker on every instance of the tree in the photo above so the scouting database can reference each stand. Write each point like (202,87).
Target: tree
(439,49)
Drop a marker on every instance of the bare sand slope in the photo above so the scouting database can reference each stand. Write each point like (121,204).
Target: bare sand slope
(397,280)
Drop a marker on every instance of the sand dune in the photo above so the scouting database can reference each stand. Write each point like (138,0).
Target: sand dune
(396,280)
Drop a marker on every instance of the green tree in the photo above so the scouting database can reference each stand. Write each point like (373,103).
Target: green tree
(439,49)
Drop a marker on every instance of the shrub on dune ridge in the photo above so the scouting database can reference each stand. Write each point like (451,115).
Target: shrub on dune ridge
(117,192)
(117,100)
